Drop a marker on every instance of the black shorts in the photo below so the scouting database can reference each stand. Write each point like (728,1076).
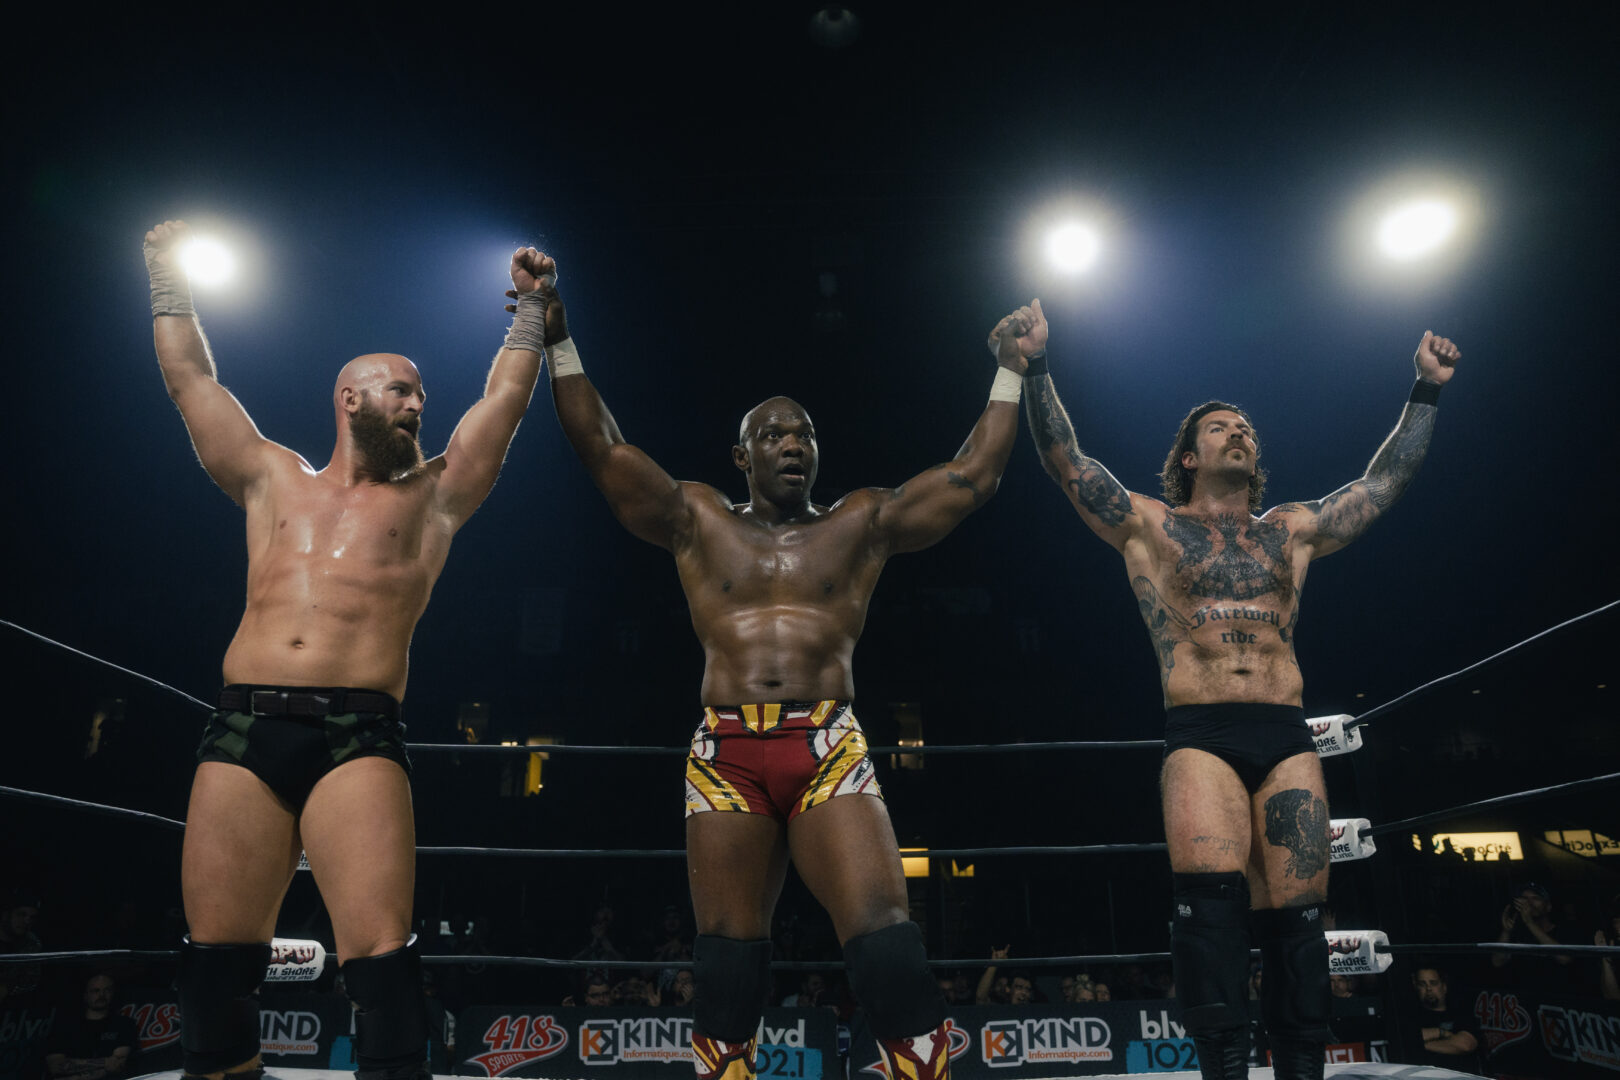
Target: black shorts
(1250,737)
(291,736)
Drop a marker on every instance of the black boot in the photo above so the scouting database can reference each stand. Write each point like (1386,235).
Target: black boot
(1223,1055)
(1297,1059)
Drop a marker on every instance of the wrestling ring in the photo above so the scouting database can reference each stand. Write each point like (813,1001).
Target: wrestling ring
(1353,951)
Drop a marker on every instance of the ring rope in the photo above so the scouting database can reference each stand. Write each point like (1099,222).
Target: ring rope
(1500,800)
(160,684)
(1442,680)
(1447,949)
(983,748)
(672,751)
(92,807)
(943,853)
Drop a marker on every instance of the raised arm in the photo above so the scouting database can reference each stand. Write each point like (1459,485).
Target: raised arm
(923,509)
(225,438)
(1112,512)
(644,497)
(1329,524)
(477,448)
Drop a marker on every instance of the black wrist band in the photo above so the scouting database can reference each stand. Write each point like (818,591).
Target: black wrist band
(1425,393)
(1037,366)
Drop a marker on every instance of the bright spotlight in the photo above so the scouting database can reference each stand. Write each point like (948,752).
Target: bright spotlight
(1073,248)
(207,262)
(1416,229)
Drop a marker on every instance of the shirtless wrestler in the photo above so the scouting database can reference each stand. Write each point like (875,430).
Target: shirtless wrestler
(1245,808)
(306,751)
(778,589)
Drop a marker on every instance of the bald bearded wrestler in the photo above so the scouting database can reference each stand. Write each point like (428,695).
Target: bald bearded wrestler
(1245,807)
(778,588)
(306,752)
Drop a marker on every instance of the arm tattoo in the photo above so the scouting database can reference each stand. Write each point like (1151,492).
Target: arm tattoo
(1348,512)
(956,479)
(1094,489)
(1298,821)
(1398,459)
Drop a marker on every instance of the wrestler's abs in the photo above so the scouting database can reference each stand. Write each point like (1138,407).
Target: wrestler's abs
(778,610)
(1220,611)
(337,578)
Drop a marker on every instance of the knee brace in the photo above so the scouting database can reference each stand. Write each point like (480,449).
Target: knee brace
(1209,950)
(731,980)
(390,1020)
(219,1006)
(1295,1001)
(888,971)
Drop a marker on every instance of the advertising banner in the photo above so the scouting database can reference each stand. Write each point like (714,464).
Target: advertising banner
(310,1031)
(544,1041)
(1011,1041)
(1525,1034)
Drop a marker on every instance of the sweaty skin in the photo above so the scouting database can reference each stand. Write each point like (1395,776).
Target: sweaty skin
(779,599)
(340,564)
(341,560)
(778,586)
(778,589)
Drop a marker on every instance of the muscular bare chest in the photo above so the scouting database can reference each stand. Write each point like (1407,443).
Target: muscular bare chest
(1246,560)
(377,526)
(737,562)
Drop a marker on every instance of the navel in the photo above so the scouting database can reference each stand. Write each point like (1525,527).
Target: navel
(725,586)
(393,532)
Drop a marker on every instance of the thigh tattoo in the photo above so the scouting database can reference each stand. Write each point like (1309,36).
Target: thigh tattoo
(1298,820)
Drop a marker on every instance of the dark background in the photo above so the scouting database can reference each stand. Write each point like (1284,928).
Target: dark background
(695,170)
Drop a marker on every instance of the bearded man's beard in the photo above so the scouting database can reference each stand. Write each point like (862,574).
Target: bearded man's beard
(386,449)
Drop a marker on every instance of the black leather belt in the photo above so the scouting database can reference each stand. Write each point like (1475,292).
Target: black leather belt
(305,701)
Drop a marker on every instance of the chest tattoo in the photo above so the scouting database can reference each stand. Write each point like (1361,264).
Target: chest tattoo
(1232,573)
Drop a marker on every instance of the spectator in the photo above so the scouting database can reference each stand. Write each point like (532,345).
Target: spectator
(1528,920)
(993,988)
(1102,993)
(597,991)
(17,935)
(1609,966)
(94,1042)
(676,987)
(947,990)
(670,942)
(808,995)
(1020,989)
(635,991)
(599,947)
(1340,987)
(1447,1036)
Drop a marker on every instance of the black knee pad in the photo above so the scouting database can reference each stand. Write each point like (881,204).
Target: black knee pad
(1295,1001)
(1209,950)
(732,980)
(390,1019)
(219,1006)
(888,971)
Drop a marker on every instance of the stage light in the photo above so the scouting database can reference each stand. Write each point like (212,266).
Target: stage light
(207,263)
(1073,248)
(1417,228)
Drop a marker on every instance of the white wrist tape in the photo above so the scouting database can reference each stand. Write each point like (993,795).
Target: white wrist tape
(564,359)
(1009,386)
